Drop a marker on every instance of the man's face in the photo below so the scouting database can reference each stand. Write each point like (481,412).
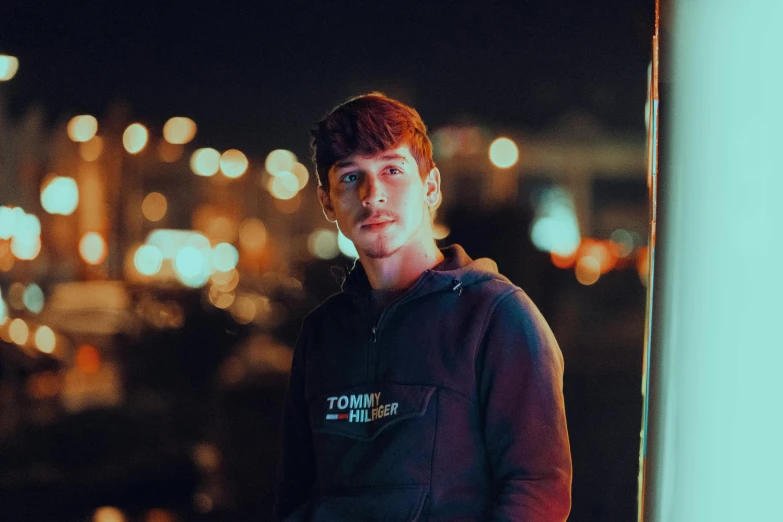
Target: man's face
(380,201)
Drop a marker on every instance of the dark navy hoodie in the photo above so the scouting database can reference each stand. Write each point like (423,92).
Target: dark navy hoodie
(449,407)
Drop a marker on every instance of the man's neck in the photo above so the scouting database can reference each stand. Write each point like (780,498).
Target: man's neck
(403,268)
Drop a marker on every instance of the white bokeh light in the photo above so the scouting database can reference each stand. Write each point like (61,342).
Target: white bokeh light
(148,260)
(225,257)
(60,196)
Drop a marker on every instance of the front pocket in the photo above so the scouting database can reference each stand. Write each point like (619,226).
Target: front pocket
(362,412)
(377,504)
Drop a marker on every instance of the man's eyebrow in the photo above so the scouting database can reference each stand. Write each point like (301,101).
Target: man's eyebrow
(343,163)
(393,156)
(386,157)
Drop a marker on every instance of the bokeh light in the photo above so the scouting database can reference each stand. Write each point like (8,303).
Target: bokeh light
(160,515)
(108,514)
(599,251)
(135,137)
(284,185)
(205,162)
(154,206)
(60,196)
(346,246)
(26,246)
(563,261)
(45,339)
(8,67)
(179,130)
(278,161)
(233,163)
(16,295)
(192,267)
(555,227)
(225,281)
(88,359)
(91,149)
(225,257)
(92,248)
(82,128)
(624,240)
(189,261)
(3,312)
(27,224)
(588,270)
(18,331)
(301,173)
(503,153)
(33,298)
(252,235)
(219,298)
(440,231)
(243,309)
(148,260)
(322,243)
(8,218)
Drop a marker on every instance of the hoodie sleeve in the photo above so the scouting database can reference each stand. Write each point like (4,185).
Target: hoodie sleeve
(296,468)
(520,375)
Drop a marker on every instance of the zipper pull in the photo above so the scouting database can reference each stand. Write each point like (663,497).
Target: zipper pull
(374,335)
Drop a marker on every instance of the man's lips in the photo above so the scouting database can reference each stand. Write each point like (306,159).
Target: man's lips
(376,223)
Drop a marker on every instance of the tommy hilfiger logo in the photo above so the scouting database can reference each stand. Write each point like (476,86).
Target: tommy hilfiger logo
(363,407)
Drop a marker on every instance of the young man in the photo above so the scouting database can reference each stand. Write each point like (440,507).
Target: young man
(430,388)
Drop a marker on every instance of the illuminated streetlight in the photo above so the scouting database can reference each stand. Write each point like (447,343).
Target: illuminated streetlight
(82,128)
(135,138)
(503,153)
(233,163)
(92,248)
(179,130)
(8,67)
(205,162)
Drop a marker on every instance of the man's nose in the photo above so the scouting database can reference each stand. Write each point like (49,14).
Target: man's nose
(373,192)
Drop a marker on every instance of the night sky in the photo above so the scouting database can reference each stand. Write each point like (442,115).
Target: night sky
(255,76)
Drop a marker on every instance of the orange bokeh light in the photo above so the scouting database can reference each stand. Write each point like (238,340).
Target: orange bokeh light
(88,360)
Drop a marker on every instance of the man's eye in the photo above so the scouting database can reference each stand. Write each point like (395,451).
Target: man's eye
(394,170)
(349,177)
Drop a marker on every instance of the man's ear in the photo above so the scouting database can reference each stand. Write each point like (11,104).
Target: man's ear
(326,204)
(432,195)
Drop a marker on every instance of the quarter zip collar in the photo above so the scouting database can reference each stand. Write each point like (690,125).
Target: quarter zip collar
(457,270)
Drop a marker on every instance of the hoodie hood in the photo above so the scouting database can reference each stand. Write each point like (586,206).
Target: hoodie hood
(455,272)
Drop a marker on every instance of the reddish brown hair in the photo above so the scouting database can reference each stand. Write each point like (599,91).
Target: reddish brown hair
(366,125)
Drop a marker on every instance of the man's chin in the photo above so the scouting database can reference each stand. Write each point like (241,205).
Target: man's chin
(379,250)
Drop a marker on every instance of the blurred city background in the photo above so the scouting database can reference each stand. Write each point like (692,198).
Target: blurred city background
(161,241)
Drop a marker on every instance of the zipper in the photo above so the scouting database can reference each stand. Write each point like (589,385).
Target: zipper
(373,344)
